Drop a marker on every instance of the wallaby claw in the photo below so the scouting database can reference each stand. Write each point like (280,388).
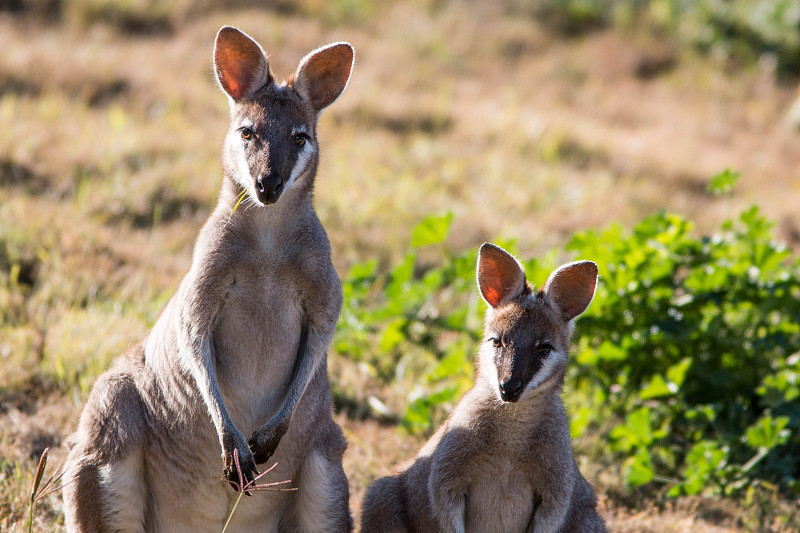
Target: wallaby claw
(239,469)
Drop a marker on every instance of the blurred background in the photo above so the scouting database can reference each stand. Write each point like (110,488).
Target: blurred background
(533,123)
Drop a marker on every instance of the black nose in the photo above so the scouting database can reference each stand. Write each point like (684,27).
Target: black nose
(269,188)
(510,390)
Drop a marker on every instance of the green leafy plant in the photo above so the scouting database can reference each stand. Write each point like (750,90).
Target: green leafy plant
(723,182)
(687,363)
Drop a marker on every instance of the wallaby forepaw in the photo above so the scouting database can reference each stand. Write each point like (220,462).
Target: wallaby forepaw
(261,453)
(239,469)
(263,444)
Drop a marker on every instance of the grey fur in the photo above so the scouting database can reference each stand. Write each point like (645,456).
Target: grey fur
(497,466)
(240,350)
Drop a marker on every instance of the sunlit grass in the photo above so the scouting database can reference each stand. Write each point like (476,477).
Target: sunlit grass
(114,122)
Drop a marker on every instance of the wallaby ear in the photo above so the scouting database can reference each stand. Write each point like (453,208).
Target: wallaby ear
(500,276)
(239,63)
(322,75)
(571,287)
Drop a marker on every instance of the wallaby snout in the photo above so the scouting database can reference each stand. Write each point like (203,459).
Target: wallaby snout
(522,365)
(269,188)
(511,390)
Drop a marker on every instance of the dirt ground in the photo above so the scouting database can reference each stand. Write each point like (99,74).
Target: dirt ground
(518,132)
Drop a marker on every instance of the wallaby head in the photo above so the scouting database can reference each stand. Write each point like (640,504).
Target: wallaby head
(271,145)
(527,333)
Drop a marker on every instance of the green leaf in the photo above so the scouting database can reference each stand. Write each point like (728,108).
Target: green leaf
(446,394)
(432,230)
(363,270)
(636,432)
(702,462)
(768,432)
(404,271)
(640,424)
(393,334)
(400,277)
(675,491)
(418,415)
(608,351)
(454,364)
(419,412)
(677,373)
(639,468)
(580,420)
(779,388)
(723,182)
(656,388)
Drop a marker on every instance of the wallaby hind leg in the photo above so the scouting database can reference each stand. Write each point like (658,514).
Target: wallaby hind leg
(382,509)
(105,489)
(105,498)
(82,498)
(323,499)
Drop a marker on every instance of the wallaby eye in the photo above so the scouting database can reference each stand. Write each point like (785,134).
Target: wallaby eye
(300,139)
(247,133)
(495,342)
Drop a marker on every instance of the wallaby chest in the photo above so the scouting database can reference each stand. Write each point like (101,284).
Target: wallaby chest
(507,475)
(257,334)
(501,497)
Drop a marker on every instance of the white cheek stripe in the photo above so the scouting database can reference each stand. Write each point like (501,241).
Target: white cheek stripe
(545,372)
(243,176)
(487,363)
(300,166)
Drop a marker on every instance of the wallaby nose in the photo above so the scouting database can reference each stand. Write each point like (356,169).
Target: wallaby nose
(510,390)
(269,188)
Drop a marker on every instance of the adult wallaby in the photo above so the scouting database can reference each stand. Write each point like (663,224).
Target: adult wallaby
(240,350)
(503,459)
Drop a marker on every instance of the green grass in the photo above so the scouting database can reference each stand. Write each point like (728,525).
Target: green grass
(111,164)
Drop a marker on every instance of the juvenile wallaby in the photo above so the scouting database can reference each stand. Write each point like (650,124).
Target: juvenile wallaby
(502,462)
(240,350)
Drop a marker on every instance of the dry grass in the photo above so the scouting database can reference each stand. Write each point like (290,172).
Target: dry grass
(109,164)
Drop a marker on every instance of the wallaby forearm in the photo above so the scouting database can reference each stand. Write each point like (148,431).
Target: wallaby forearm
(550,515)
(448,508)
(198,357)
(194,330)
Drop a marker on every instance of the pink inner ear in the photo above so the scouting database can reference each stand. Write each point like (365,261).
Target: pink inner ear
(492,296)
(233,86)
(323,75)
(235,72)
(500,276)
(572,287)
(240,64)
